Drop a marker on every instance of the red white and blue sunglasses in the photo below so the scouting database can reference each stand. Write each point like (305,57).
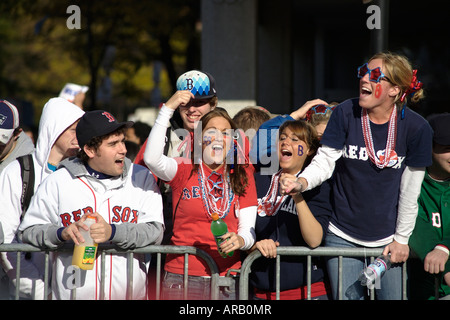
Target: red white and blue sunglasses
(375,75)
(319,109)
(322,108)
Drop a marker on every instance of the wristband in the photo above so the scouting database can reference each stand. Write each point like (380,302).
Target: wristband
(302,187)
(59,234)
(113,231)
(442,248)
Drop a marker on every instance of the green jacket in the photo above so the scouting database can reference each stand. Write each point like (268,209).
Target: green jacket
(432,228)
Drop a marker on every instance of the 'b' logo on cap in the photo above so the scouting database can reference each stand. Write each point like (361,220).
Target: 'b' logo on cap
(189,84)
(109,116)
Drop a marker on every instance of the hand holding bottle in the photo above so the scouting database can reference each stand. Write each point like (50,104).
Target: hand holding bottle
(100,232)
(226,241)
(398,252)
(232,242)
(72,231)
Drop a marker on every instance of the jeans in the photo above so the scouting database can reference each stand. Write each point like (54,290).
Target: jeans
(199,288)
(389,288)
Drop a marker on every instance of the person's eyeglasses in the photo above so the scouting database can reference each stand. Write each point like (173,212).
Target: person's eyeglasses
(375,75)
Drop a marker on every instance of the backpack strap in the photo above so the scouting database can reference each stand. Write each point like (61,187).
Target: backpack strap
(27,173)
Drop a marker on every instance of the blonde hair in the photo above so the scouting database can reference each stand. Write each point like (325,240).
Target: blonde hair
(318,118)
(398,70)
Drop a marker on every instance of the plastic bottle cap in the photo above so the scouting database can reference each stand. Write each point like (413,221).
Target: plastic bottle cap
(215,216)
(91,218)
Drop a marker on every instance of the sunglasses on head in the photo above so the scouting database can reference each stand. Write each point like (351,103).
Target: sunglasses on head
(322,108)
(319,109)
(375,75)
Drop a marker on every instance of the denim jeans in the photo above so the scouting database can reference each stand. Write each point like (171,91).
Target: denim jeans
(389,288)
(199,288)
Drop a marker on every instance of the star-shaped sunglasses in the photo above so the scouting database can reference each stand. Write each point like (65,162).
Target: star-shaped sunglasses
(319,109)
(375,75)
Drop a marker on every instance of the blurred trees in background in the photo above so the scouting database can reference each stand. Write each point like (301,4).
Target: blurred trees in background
(125,51)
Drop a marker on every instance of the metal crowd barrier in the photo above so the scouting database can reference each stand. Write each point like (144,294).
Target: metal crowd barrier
(104,249)
(321,251)
(215,279)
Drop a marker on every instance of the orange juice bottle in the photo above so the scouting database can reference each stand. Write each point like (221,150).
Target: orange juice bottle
(85,253)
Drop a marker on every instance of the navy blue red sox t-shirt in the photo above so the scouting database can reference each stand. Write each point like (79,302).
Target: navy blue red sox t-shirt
(283,226)
(365,198)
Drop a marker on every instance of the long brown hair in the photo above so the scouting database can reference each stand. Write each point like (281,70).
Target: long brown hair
(238,174)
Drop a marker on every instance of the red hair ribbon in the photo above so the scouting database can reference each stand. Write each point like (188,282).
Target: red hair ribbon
(415,86)
(190,146)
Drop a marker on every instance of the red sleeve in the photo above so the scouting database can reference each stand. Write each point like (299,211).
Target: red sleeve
(140,156)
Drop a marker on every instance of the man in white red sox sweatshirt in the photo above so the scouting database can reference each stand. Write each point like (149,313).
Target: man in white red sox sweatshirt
(123,197)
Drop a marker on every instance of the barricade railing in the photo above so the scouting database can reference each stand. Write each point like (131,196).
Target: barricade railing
(371,253)
(104,249)
(158,250)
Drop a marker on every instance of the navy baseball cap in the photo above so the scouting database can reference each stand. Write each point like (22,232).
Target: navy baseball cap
(97,123)
(9,120)
(201,84)
(440,123)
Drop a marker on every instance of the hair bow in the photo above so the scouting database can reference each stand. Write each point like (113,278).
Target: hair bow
(415,86)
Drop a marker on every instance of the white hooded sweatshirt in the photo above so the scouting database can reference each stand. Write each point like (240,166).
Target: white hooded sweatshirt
(57,115)
(131,203)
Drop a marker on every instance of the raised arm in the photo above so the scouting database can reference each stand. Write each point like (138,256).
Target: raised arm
(163,167)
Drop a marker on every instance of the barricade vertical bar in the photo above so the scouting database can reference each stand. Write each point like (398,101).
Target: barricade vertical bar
(19,253)
(308,276)
(186,275)
(102,275)
(214,286)
(277,284)
(130,258)
(372,291)
(46,275)
(404,282)
(340,278)
(158,276)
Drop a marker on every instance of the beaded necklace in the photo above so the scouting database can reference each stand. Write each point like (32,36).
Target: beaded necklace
(389,152)
(217,194)
(271,202)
